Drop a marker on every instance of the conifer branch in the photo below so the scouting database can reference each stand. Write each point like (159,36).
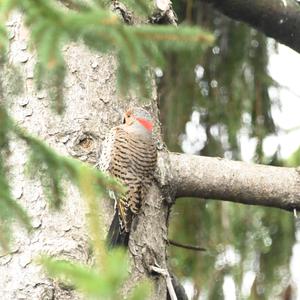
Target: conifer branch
(240,182)
(275,18)
(172,34)
(137,48)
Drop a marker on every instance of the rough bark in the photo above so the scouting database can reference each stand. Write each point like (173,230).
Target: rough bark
(216,178)
(92,108)
(63,233)
(279,19)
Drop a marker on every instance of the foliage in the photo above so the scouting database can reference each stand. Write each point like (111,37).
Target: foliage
(104,283)
(228,85)
(294,159)
(136,47)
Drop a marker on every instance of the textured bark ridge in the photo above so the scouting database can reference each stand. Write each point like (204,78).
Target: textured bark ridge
(216,178)
(92,108)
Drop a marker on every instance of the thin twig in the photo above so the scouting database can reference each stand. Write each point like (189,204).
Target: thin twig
(186,246)
(168,279)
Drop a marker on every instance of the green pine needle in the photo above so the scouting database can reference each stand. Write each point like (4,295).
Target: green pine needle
(93,283)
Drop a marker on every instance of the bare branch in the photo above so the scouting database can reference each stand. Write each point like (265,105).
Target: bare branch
(216,178)
(186,246)
(279,19)
(165,273)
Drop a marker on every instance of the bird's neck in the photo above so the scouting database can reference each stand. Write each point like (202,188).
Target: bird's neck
(139,129)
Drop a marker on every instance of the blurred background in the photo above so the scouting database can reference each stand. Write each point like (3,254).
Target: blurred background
(242,103)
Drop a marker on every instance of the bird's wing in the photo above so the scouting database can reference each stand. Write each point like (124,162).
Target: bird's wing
(132,161)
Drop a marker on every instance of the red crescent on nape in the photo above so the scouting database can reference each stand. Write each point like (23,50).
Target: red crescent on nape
(147,124)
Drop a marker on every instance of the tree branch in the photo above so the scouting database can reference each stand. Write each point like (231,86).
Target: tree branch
(216,178)
(279,19)
(186,246)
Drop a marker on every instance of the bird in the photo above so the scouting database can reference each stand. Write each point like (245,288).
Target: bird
(129,154)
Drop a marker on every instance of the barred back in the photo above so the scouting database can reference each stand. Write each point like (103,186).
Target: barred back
(133,160)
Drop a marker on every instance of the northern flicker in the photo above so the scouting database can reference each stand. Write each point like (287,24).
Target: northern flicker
(129,154)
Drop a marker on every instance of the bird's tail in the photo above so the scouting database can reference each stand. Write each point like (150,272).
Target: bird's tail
(116,237)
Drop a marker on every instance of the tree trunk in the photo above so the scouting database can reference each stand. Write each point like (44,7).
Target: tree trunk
(92,108)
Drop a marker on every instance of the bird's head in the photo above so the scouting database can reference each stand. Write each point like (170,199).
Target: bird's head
(139,119)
